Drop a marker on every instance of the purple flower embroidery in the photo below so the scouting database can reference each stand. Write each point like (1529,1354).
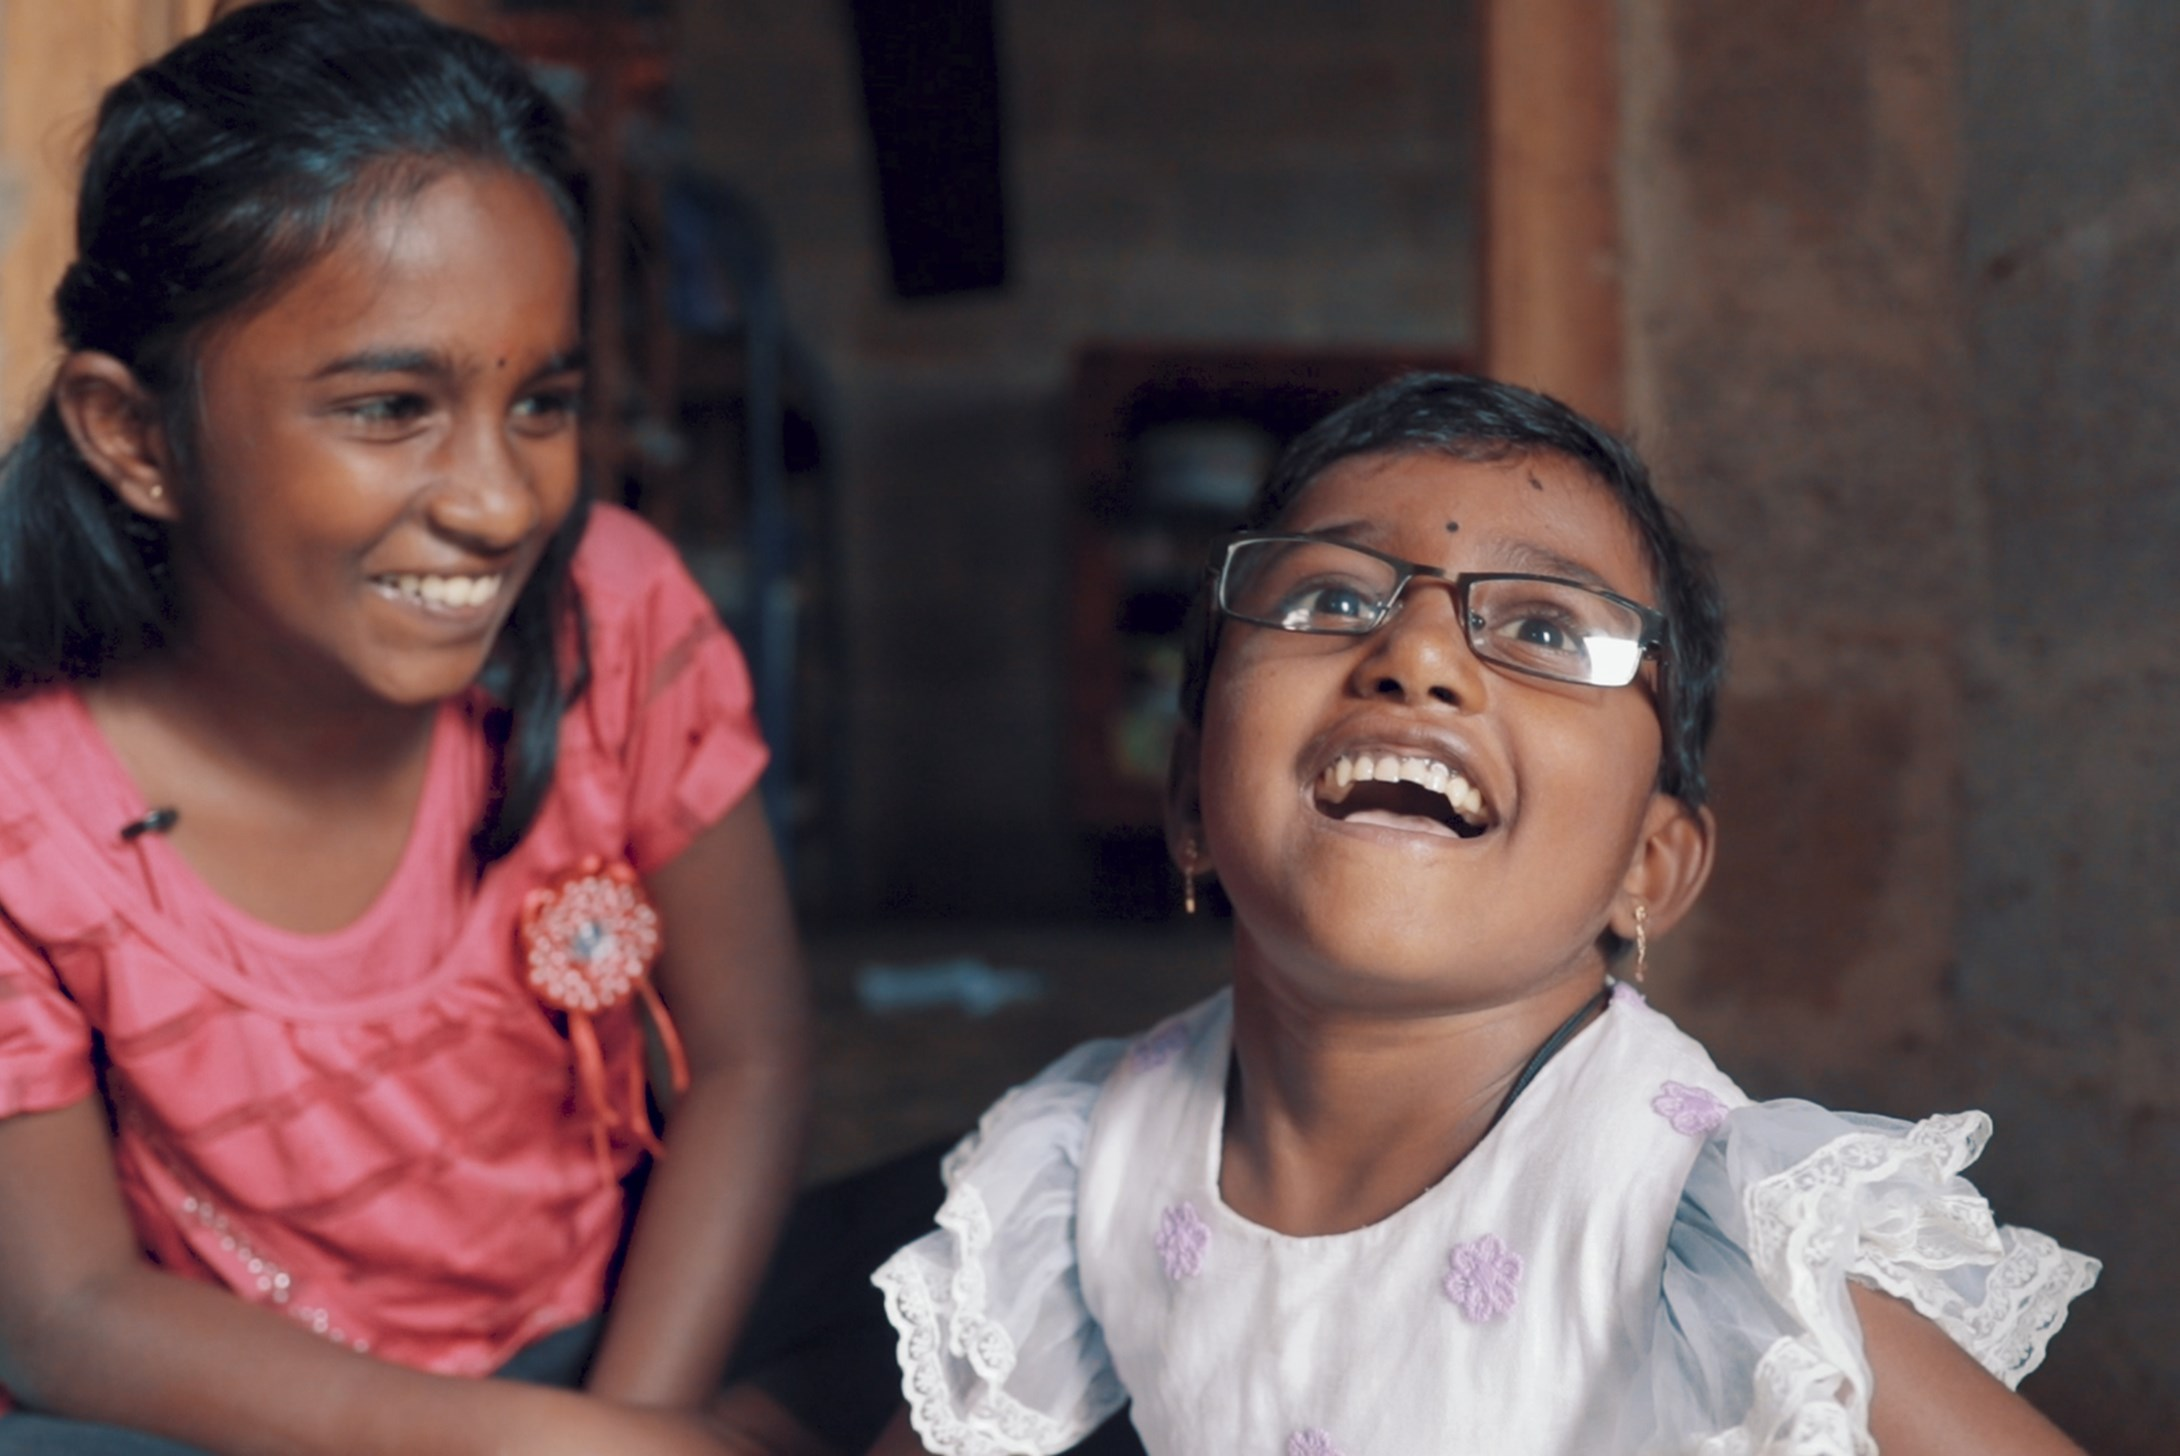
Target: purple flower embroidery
(1160,1047)
(1312,1442)
(1624,994)
(1481,1278)
(1690,1110)
(1183,1240)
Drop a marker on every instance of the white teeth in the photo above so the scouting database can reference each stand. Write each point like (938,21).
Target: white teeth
(448,591)
(1467,800)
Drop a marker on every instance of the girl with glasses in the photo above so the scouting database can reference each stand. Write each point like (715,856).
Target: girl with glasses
(1431,1175)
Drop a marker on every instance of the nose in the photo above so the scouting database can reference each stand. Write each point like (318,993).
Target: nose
(488,499)
(1422,653)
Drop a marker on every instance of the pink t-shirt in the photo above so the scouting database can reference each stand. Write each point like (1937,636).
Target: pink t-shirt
(376,1131)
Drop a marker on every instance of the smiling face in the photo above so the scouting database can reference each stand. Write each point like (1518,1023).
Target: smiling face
(384,449)
(1397,822)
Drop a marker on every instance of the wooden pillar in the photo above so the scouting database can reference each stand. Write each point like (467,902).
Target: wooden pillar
(1552,314)
(56,59)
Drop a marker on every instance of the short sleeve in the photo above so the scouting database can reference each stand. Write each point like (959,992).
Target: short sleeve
(671,691)
(999,1354)
(1756,1349)
(45,1042)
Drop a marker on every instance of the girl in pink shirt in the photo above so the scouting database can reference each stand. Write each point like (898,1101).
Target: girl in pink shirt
(352,777)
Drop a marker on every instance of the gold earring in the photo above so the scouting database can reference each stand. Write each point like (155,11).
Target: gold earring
(157,492)
(1188,892)
(1642,941)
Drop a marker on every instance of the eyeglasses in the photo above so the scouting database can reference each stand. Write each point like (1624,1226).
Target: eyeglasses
(1541,625)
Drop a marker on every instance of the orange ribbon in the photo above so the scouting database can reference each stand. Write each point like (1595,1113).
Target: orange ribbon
(589,941)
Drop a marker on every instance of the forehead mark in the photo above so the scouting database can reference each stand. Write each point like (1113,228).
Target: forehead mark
(1534,483)
(1452,526)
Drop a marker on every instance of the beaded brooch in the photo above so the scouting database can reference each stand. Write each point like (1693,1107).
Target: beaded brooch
(589,941)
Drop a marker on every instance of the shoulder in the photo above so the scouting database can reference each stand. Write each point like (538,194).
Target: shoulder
(624,559)
(646,623)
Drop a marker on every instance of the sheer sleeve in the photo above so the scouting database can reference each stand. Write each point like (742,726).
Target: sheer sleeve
(1755,1348)
(999,1353)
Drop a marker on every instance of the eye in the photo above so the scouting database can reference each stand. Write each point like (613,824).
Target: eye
(1328,605)
(1537,633)
(1546,633)
(386,414)
(547,411)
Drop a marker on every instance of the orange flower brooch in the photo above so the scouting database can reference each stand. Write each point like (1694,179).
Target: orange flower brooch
(589,941)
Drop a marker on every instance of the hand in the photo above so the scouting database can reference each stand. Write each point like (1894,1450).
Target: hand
(582,1425)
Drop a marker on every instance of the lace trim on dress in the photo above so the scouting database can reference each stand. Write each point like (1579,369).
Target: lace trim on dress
(992,1422)
(1903,1236)
(1796,1410)
(1888,1209)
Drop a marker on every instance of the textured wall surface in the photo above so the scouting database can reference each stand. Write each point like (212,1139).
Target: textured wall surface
(1208,170)
(1905,299)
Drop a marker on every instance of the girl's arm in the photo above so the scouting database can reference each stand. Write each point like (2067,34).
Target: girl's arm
(732,976)
(90,1331)
(899,1438)
(1930,1398)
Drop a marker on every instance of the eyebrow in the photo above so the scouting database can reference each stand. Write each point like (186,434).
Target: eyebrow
(431,362)
(1543,561)
(1522,556)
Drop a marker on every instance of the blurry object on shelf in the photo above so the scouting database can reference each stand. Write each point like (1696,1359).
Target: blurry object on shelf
(1202,465)
(964,983)
(1170,443)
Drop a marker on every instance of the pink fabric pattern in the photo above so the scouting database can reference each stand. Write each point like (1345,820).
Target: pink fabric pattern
(1183,1240)
(1482,1277)
(1159,1048)
(369,1129)
(1312,1442)
(1690,1110)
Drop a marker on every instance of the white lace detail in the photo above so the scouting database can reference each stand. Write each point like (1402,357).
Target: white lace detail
(1907,1233)
(990,1422)
(1796,1410)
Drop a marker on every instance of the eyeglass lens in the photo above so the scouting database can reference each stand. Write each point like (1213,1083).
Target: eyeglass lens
(1554,629)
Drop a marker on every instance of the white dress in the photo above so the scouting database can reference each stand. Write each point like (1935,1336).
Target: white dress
(1636,1259)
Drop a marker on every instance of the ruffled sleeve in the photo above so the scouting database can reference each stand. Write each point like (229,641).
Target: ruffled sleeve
(999,1354)
(1756,1350)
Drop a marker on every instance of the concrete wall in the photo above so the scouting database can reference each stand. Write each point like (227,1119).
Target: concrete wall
(1277,171)
(1905,316)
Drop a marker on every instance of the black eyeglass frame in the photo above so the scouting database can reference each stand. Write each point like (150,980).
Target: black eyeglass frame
(1650,644)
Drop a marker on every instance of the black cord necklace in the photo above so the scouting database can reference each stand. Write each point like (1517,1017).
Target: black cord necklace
(1550,1049)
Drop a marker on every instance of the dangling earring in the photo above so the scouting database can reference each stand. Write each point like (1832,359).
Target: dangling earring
(1188,892)
(1642,941)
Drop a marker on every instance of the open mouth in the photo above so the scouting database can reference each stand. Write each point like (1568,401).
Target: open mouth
(442,593)
(1402,791)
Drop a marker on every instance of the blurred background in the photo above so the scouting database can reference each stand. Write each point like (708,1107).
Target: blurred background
(942,334)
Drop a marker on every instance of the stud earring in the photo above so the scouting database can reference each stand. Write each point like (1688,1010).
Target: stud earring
(1642,941)
(157,492)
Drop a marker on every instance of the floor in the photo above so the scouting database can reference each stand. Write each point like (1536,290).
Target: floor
(891,1081)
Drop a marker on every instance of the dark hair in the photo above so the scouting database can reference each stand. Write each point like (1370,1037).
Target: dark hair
(1482,420)
(216,174)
